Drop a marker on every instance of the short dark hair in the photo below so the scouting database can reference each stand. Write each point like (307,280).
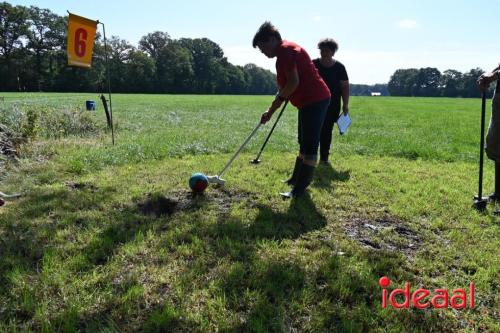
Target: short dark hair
(266,31)
(329,43)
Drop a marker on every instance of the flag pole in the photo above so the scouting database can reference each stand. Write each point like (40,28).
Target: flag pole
(109,81)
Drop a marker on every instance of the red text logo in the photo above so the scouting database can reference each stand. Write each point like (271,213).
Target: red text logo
(423,298)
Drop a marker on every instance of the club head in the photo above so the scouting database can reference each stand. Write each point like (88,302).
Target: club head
(480,203)
(255,161)
(216,180)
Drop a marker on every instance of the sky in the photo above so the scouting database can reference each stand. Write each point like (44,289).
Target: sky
(375,37)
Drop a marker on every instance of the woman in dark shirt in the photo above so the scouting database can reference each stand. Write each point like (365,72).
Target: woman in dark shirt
(335,76)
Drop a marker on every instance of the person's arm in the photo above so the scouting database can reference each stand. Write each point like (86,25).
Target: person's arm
(292,82)
(485,79)
(345,96)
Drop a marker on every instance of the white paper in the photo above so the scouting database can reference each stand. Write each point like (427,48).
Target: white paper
(344,122)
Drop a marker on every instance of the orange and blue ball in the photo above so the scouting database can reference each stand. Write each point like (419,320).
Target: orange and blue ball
(198,182)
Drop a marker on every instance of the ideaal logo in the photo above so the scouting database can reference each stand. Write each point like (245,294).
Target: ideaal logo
(420,297)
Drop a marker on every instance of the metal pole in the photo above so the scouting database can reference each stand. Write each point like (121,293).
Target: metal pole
(239,150)
(256,159)
(480,202)
(109,82)
(481,153)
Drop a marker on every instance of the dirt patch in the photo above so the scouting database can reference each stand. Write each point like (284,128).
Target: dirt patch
(80,186)
(158,206)
(225,198)
(387,233)
(185,201)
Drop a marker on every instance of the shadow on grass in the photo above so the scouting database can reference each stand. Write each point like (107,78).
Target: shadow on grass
(325,174)
(268,283)
(29,242)
(268,292)
(30,230)
(301,217)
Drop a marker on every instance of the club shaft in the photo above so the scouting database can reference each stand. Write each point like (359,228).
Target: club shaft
(239,150)
(271,132)
(481,152)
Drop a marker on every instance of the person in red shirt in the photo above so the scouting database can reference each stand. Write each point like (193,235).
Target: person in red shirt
(299,82)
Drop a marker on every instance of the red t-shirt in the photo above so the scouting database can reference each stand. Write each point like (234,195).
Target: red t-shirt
(311,87)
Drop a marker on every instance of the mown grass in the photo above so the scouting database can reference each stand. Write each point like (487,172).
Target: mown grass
(78,252)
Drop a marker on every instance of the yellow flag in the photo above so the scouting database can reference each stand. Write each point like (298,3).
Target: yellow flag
(81,34)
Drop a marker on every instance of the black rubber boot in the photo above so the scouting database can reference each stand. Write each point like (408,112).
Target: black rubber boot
(494,196)
(497,181)
(304,178)
(296,169)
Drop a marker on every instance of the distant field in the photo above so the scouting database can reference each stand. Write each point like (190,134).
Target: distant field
(108,238)
(157,126)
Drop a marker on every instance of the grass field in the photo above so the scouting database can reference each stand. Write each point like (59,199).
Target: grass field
(109,238)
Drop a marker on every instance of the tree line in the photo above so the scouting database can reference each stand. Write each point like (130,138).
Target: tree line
(430,82)
(367,90)
(33,58)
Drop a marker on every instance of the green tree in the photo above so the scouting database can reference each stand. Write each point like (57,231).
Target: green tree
(469,83)
(207,59)
(13,26)
(451,82)
(234,81)
(154,45)
(33,57)
(154,42)
(175,69)
(118,52)
(45,35)
(404,82)
(140,72)
(260,81)
(427,82)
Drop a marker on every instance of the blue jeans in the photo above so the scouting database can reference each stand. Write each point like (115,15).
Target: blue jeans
(311,119)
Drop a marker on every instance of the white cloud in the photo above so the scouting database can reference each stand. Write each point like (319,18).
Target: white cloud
(242,55)
(407,24)
(317,18)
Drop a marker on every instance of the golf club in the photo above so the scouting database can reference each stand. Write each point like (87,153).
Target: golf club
(480,201)
(9,196)
(217,178)
(256,160)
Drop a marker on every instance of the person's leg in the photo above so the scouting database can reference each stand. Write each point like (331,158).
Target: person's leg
(299,160)
(492,148)
(312,118)
(326,135)
(300,157)
(493,142)
(495,196)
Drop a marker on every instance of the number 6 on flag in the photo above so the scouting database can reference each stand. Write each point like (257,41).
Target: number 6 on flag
(81,34)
